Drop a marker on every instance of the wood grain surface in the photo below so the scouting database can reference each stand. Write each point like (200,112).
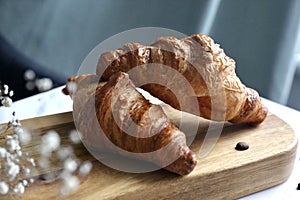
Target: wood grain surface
(224,173)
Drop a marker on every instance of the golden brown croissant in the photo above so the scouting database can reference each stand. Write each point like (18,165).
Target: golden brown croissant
(219,93)
(129,121)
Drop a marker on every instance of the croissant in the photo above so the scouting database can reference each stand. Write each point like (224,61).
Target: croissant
(129,121)
(219,93)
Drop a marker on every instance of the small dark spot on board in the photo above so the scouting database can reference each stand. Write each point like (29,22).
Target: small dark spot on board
(241,146)
(298,188)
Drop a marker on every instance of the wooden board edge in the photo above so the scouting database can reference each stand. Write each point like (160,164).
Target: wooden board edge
(225,187)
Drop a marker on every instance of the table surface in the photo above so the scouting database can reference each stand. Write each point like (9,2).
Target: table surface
(54,101)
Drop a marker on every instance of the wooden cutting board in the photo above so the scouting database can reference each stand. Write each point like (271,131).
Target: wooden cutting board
(224,173)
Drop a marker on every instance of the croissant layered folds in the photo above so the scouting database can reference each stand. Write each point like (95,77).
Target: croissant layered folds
(211,74)
(192,74)
(130,122)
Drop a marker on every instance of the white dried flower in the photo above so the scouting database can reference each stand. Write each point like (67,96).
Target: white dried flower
(8,137)
(19,153)
(12,169)
(6,101)
(2,152)
(27,170)
(25,182)
(85,168)
(12,144)
(43,162)
(44,84)
(15,137)
(70,184)
(24,135)
(70,165)
(11,93)
(74,137)
(4,188)
(31,161)
(64,152)
(29,75)
(14,123)
(50,142)
(6,88)
(30,85)
(19,188)
(18,131)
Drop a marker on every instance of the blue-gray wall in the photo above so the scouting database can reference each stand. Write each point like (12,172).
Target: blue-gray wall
(259,34)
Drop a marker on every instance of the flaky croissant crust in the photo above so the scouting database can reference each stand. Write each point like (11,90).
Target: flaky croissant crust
(211,73)
(129,122)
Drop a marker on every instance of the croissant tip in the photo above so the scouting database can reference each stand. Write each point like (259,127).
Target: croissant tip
(185,164)
(65,91)
(260,120)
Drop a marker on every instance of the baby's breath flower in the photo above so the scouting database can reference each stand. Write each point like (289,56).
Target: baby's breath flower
(4,188)
(12,169)
(12,143)
(13,123)
(50,142)
(19,188)
(74,137)
(70,183)
(26,170)
(5,95)
(5,90)
(2,152)
(30,85)
(64,152)
(11,93)
(23,134)
(85,168)
(25,182)
(44,84)
(6,101)
(43,162)
(70,165)
(19,153)
(16,166)
(32,161)
(29,75)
